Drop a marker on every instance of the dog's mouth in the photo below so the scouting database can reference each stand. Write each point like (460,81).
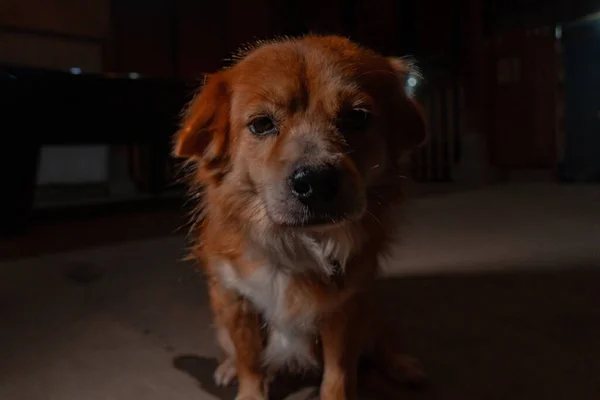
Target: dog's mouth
(296,215)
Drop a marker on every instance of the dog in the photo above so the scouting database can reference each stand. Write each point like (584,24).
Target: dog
(294,151)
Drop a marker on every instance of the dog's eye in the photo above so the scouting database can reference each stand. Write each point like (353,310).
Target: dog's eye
(261,126)
(356,120)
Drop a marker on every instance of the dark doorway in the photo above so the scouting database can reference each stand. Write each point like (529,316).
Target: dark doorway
(581,42)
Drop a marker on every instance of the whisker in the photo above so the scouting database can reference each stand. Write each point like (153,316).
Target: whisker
(375,218)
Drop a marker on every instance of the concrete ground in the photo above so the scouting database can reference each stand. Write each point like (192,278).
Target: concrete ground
(498,291)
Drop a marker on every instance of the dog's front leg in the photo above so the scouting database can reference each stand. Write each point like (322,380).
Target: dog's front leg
(342,339)
(237,319)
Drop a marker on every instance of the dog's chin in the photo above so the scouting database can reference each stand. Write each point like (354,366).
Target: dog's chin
(304,219)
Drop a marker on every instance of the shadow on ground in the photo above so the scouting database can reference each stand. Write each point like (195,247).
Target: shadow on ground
(202,369)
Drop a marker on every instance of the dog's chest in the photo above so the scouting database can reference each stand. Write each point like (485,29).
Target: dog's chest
(265,287)
(271,286)
(291,337)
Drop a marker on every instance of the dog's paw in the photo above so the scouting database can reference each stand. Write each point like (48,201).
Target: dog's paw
(225,373)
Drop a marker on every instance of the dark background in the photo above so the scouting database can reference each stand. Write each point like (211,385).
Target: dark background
(495,278)
(502,87)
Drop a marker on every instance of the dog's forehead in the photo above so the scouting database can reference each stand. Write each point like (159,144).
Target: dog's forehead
(292,75)
(294,57)
(288,69)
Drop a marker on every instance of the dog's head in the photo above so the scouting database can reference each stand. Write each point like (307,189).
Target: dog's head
(298,131)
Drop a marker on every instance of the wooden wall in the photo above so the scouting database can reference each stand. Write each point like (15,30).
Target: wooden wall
(436,36)
(57,34)
(183,38)
(141,37)
(522,82)
(523,87)
(84,19)
(186,38)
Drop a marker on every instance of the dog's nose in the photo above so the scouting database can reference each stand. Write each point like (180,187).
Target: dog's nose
(315,184)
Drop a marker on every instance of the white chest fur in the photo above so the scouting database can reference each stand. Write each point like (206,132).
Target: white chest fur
(267,288)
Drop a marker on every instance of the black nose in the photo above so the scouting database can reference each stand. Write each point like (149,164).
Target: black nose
(315,184)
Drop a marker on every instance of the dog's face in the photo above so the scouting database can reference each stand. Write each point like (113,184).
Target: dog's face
(301,130)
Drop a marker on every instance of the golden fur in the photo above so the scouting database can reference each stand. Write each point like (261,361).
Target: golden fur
(290,286)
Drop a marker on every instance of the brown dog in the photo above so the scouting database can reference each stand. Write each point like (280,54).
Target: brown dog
(296,149)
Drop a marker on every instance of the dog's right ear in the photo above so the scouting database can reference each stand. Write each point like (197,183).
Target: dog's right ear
(205,127)
(410,114)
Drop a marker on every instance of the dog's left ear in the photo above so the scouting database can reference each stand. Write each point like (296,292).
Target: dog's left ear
(410,115)
(205,126)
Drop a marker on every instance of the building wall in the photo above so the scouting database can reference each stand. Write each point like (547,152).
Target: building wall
(59,34)
(56,34)
(524,88)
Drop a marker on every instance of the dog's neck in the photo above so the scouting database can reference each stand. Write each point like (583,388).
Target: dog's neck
(323,253)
